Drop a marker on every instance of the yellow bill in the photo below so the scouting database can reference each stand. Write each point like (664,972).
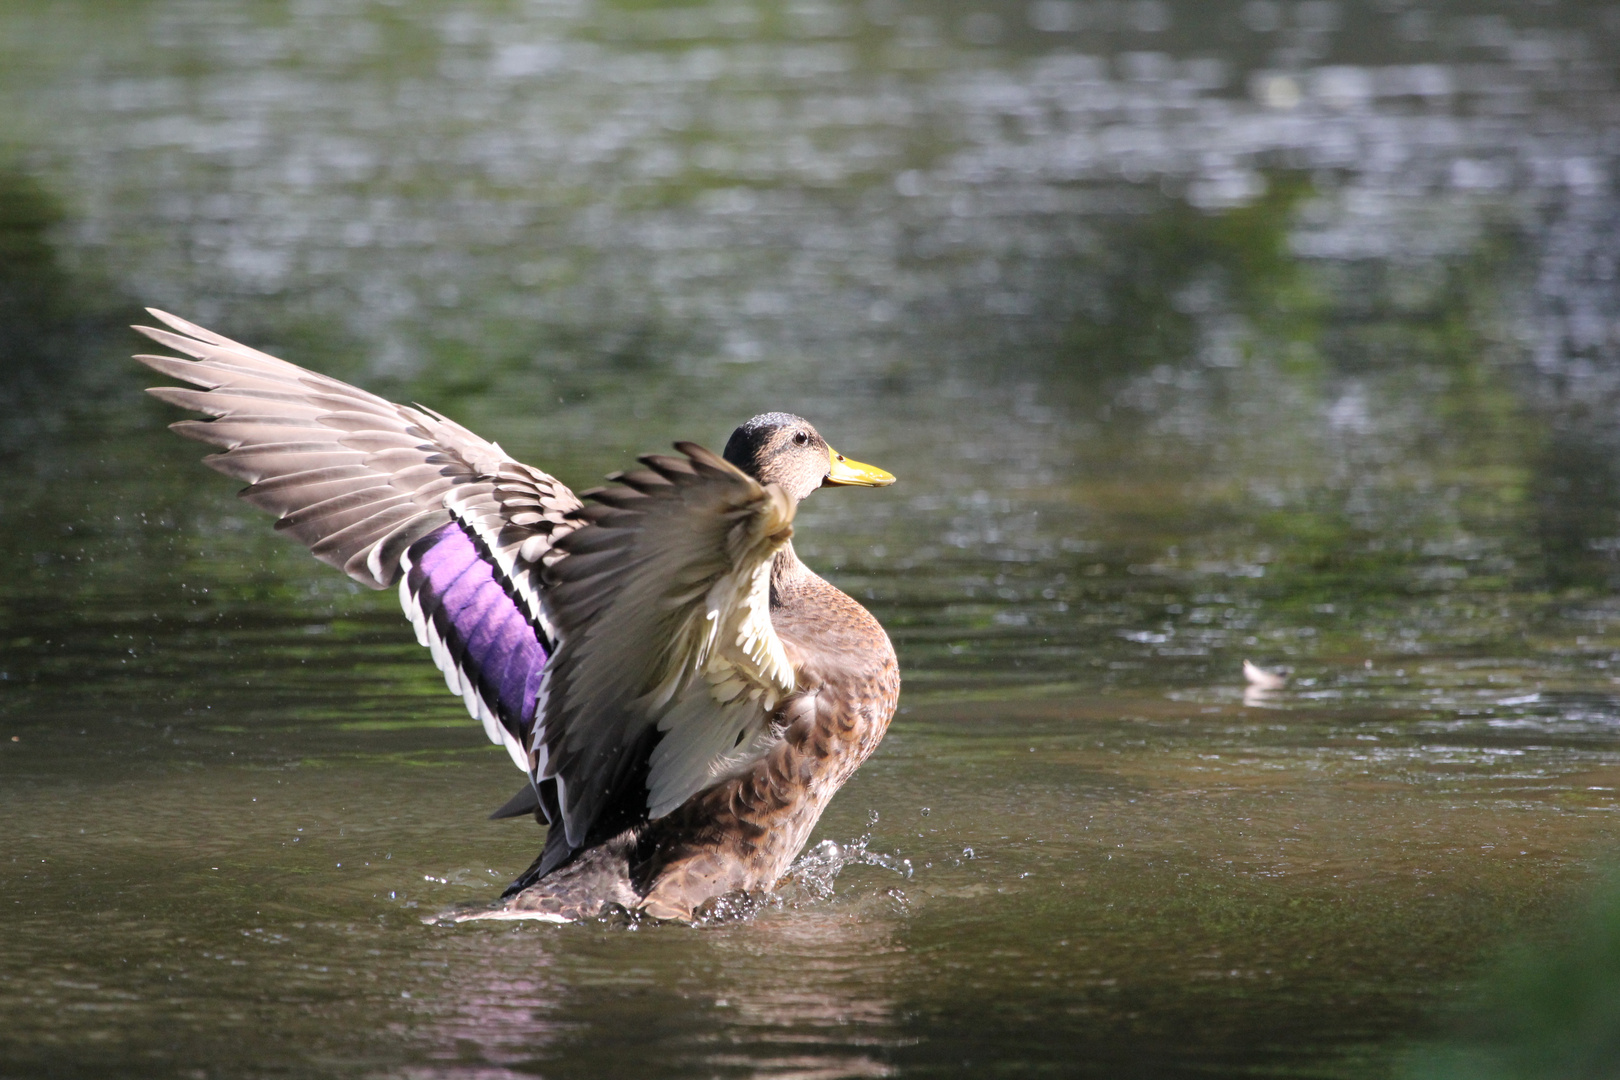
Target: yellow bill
(853,474)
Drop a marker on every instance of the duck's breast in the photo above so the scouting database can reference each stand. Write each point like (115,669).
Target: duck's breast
(847,677)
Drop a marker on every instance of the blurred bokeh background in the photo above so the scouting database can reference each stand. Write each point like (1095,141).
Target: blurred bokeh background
(1196,332)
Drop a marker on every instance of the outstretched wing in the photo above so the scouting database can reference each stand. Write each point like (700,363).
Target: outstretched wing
(662,610)
(390,493)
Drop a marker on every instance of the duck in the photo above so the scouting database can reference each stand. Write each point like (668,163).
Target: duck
(682,693)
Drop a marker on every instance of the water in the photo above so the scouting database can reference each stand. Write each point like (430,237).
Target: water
(1195,333)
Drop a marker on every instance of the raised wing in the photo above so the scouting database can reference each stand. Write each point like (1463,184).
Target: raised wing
(662,609)
(390,493)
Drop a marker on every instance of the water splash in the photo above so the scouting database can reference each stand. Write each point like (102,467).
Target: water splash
(812,879)
(817,870)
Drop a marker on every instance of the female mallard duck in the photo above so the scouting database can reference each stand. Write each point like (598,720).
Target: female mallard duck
(684,694)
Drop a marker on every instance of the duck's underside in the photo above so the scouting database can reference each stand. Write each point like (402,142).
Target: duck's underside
(682,693)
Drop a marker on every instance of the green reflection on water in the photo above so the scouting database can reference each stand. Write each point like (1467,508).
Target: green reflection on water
(1159,271)
(1548,1008)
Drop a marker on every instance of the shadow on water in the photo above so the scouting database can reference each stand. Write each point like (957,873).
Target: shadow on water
(1576,487)
(53,319)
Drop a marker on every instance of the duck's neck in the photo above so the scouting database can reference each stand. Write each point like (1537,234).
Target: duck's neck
(789,575)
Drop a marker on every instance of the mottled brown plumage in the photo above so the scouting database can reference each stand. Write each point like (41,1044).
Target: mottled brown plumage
(741,835)
(683,693)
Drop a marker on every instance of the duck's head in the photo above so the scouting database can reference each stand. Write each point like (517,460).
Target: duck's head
(780,448)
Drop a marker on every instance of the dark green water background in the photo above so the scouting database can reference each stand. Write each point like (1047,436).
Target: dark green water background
(1195,332)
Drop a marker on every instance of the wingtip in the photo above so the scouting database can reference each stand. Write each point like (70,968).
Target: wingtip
(187,328)
(522,804)
(703,455)
(173,322)
(153,362)
(705,460)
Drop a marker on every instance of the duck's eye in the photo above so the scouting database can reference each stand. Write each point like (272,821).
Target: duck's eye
(802,438)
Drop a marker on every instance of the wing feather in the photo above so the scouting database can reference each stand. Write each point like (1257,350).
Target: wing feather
(661,604)
(371,487)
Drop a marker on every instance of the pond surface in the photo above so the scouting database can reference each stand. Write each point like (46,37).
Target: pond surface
(1196,333)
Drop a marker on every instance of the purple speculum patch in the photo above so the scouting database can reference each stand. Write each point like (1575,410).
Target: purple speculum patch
(485,628)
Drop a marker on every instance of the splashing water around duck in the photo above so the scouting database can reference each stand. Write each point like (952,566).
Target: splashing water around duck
(811,880)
